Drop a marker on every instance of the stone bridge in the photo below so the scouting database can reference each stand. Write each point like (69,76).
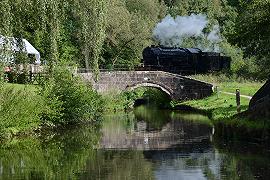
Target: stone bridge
(176,86)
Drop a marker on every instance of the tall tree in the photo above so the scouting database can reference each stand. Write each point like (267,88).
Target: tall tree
(54,26)
(93,14)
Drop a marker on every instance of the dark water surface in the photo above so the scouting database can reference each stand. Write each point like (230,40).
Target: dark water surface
(144,144)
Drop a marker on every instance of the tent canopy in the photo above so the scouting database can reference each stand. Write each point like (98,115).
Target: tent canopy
(13,45)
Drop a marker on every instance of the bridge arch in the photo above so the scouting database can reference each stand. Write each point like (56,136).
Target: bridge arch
(177,87)
(154,85)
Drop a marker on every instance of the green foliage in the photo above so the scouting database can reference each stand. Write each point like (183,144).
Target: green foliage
(59,29)
(115,101)
(53,105)
(2,74)
(236,55)
(112,34)
(5,18)
(62,99)
(129,30)
(19,109)
(93,18)
(69,99)
(157,98)
(250,33)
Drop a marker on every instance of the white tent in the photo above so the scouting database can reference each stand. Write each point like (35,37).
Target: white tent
(12,45)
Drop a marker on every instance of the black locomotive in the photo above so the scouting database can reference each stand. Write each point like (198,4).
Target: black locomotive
(184,61)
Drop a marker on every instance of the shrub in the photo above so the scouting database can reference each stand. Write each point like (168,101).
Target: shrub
(11,76)
(19,109)
(68,98)
(22,78)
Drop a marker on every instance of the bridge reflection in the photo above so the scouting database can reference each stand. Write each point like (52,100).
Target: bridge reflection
(153,130)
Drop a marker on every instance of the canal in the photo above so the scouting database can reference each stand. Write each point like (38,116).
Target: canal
(144,144)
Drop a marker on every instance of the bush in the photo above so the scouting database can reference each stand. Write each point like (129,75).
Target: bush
(11,77)
(22,78)
(19,109)
(69,99)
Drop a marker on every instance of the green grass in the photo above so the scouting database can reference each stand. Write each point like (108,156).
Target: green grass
(17,87)
(222,109)
(230,84)
(221,106)
(247,88)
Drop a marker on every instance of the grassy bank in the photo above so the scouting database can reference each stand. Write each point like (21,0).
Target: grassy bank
(218,106)
(222,108)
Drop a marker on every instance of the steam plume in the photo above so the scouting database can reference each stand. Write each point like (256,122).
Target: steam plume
(173,31)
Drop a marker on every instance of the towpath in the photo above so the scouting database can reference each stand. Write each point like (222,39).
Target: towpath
(233,94)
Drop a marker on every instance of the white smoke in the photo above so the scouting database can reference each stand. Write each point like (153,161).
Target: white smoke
(173,31)
(213,36)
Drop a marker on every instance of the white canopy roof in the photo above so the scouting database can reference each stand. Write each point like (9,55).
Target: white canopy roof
(27,47)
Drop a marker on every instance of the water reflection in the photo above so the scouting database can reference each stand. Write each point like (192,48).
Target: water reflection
(60,155)
(146,144)
(152,129)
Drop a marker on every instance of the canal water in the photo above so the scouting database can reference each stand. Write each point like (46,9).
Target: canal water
(144,144)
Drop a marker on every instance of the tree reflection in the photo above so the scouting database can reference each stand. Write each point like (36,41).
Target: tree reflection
(154,117)
(59,156)
(116,165)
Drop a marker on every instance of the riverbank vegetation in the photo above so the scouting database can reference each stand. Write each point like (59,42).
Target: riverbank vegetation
(20,109)
(222,109)
(68,98)
(62,99)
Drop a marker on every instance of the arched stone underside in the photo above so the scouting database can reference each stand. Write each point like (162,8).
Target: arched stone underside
(178,87)
(160,87)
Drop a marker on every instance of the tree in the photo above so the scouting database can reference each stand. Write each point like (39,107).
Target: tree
(252,32)
(93,14)
(5,26)
(5,18)
(129,30)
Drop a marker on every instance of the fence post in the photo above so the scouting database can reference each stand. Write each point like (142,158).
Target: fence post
(238,103)
(216,91)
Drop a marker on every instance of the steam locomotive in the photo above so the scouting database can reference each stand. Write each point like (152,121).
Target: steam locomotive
(186,61)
